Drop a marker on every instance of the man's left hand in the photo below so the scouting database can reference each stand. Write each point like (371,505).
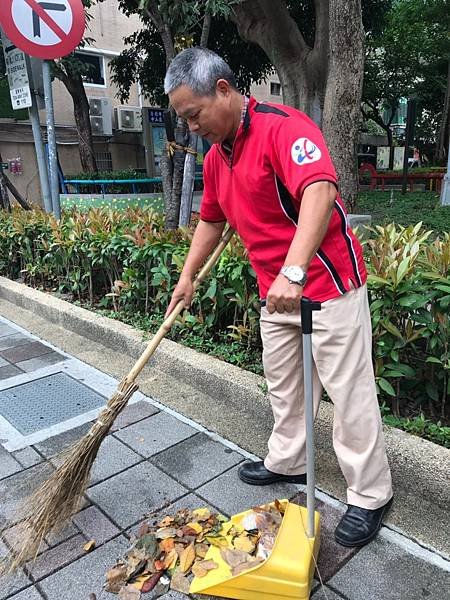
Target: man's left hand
(283,296)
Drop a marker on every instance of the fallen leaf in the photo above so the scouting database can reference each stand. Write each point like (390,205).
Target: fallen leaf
(92,596)
(151,583)
(148,544)
(254,562)
(195,526)
(115,578)
(179,583)
(129,593)
(166,522)
(171,559)
(218,541)
(187,530)
(144,528)
(89,546)
(159,565)
(201,550)
(167,545)
(202,567)
(244,543)
(165,532)
(233,558)
(187,557)
(201,514)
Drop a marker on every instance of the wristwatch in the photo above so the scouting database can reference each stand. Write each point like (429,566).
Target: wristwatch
(294,274)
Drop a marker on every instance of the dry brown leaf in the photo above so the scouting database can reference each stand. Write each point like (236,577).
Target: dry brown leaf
(179,548)
(89,546)
(179,583)
(115,578)
(165,532)
(129,593)
(187,557)
(201,550)
(238,569)
(202,567)
(143,529)
(166,521)
(234,557)
(167,545)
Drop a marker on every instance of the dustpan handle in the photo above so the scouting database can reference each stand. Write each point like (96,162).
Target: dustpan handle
(307,308)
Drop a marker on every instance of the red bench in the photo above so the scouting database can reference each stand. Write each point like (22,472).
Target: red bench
(376,178)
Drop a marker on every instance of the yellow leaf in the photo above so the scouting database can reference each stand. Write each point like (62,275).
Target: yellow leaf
(187,557)
(138,583)
(219,541)
(243,543)
(201,514)
(171,559)
(89,546)
(195,526)
(166,522)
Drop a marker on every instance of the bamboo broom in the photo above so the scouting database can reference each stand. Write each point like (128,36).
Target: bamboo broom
(58,498)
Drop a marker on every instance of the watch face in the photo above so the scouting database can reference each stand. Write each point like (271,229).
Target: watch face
(294,273)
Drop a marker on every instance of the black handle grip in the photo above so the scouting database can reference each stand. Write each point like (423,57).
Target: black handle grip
(306,309)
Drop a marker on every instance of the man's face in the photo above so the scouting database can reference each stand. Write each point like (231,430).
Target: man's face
(210,117)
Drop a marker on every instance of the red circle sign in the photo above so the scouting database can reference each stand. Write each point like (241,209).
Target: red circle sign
(43,28)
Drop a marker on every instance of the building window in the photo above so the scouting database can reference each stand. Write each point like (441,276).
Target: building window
(94,68)
(275,88)
(104,161)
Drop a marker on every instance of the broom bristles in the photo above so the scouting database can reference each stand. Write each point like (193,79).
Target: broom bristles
(50,507)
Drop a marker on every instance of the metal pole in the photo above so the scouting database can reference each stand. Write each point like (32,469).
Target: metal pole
(307,306)
(40,154)
(411,113)
(53,161)
(445,191)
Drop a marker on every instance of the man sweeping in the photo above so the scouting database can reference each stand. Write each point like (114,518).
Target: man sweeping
(269,175)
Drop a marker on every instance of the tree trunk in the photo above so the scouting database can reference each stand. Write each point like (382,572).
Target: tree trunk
(75,87)
(83,124)
(4,196)
(444,124)
(302,70)
(174,200)
(341,116)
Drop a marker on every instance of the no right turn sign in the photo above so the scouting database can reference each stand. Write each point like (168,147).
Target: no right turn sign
(45,29)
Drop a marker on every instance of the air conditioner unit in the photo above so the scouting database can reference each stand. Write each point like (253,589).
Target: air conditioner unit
(128,118)
(100,113)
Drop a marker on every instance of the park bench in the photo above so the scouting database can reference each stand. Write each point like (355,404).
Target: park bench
(377,178)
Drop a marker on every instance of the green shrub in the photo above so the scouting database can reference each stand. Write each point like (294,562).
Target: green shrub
(124,263)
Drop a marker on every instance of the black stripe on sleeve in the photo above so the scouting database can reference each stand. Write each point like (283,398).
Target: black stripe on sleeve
(348,241)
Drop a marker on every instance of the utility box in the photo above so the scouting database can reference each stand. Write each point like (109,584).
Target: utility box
(100,114)
(128,118)
(153,138)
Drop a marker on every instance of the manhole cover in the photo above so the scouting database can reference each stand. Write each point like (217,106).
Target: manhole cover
(44,402)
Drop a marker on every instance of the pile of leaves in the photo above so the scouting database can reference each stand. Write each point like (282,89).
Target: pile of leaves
(168,552)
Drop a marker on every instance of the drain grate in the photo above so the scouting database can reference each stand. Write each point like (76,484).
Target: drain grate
(41,403)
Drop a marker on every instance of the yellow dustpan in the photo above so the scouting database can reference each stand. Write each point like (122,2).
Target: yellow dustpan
(288,571)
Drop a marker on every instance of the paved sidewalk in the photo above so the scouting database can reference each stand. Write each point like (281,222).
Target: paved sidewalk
(153,460)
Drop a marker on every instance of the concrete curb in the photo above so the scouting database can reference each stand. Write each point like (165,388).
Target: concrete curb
(211,376)
(420,468)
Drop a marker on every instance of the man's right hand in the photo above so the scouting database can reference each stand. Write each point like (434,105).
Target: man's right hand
(184,290)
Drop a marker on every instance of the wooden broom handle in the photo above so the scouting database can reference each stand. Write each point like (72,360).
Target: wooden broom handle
(167,324)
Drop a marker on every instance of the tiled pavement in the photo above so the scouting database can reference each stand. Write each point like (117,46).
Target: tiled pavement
(155,460)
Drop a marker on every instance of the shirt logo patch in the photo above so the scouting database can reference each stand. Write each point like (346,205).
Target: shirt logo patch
(303,152)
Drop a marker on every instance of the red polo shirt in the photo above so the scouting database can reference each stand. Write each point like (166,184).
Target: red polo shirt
(278,151)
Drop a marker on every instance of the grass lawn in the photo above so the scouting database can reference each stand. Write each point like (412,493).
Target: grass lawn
(405,210)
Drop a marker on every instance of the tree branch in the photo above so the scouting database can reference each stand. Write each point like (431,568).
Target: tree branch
(205,30)
(163,29)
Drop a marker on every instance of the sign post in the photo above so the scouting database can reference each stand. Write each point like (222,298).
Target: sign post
(46,30)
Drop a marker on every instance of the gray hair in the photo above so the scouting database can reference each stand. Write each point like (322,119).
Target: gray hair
(199,69)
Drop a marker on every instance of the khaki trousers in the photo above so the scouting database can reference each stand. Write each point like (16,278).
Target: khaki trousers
(342,364)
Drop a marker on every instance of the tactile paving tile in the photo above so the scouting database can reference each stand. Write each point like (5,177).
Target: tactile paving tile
(41,403)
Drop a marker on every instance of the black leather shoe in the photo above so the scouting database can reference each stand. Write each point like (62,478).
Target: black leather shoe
(255,473)
(360,525)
